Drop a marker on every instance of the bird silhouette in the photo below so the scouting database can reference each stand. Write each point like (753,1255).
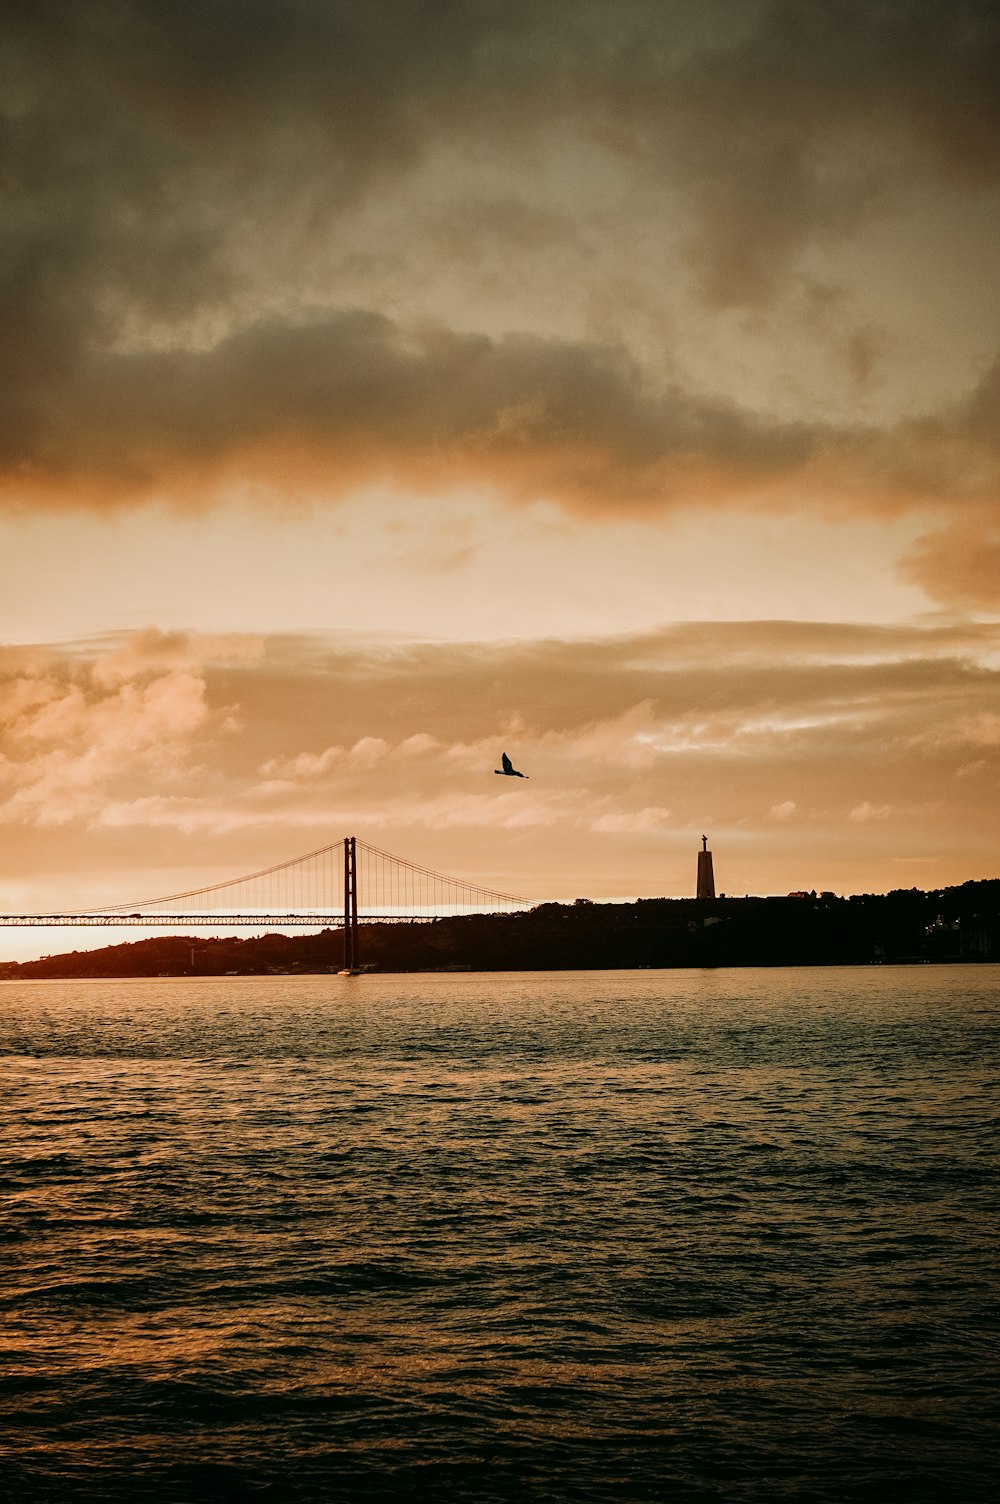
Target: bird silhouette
(507,768)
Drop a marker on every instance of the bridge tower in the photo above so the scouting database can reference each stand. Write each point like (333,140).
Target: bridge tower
(706,877)
(352,950)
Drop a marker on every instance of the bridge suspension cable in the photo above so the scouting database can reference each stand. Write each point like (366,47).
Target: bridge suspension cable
(312,881)
(321,886)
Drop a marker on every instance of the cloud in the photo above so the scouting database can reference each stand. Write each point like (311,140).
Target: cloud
(78,728)
(960,564)
(175,326)
(353,398)
(304,765)
(347,400)
(155,140)
(648,821)
(982,728)
(366,753)
(152,652)
(810,122)
(861,814)
(763,733)
(87,744)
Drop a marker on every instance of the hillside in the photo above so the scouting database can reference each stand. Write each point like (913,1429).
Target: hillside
(950,924)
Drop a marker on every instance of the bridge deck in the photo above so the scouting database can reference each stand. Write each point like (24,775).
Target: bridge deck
(211,921)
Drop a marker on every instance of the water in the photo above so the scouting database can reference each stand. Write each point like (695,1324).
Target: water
(674,1236)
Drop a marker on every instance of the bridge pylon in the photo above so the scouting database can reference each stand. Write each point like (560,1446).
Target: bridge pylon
(352,948)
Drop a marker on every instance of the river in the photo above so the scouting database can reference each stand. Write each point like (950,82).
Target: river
(682,1236)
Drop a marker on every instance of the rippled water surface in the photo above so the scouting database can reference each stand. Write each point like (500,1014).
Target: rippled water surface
(722,1235)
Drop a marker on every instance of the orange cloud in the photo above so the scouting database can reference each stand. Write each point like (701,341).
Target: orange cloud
(78,728)
(633,745)
(960,563)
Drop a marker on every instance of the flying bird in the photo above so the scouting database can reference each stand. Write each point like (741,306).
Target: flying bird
(507,768)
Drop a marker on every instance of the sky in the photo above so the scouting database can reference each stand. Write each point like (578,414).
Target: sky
(388,386)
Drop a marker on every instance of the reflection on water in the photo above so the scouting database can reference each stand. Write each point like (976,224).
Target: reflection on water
(595,1236)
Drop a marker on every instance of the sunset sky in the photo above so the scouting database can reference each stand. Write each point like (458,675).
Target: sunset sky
(390,385)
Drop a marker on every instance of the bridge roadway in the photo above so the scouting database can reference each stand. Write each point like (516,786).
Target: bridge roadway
(205,921)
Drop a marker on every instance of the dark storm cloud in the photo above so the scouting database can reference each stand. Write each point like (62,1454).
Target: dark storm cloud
(816,119)
(162,132)
(352,398)
(147,148)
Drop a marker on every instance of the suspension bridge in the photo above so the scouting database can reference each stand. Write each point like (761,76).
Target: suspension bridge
(334,886)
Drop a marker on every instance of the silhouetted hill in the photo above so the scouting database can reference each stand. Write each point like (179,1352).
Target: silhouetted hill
(949,924)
